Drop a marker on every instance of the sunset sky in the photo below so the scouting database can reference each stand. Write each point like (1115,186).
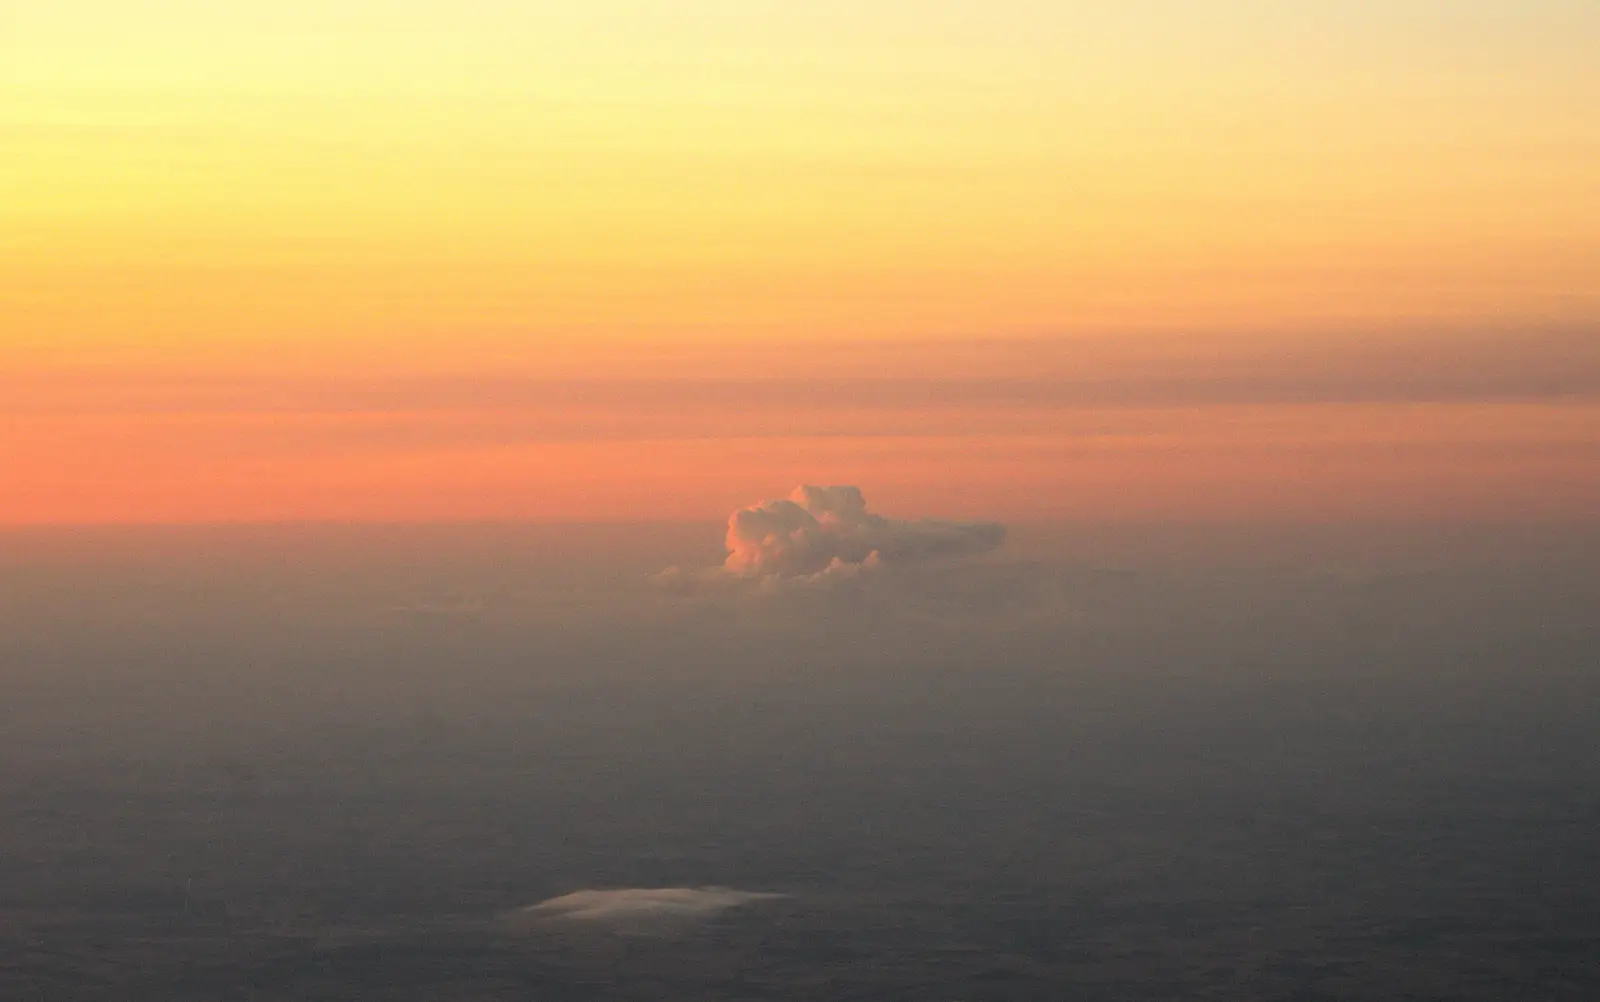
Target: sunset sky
(625,260)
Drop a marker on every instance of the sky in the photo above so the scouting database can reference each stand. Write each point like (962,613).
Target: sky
(631,260)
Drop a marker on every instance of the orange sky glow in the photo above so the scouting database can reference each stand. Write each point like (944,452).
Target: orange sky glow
(628,260)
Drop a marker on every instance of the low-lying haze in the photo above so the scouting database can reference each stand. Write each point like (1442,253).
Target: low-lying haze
(1162,762)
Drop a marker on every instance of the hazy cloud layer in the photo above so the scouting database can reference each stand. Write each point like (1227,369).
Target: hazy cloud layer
(820,534)
(972,375)
(640,904)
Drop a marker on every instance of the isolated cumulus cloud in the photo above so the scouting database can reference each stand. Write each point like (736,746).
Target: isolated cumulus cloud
(822,536)
(646,905)
(828,531)
(822,550)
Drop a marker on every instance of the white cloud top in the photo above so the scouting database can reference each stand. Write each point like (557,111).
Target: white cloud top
(828,531)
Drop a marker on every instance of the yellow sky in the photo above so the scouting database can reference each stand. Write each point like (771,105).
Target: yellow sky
(194,192)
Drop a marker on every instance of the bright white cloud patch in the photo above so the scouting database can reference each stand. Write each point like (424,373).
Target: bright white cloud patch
(822,536)
(640,904)
(819,532)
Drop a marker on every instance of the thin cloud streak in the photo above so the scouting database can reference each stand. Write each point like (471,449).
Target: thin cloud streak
(976,374)
(637,905)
